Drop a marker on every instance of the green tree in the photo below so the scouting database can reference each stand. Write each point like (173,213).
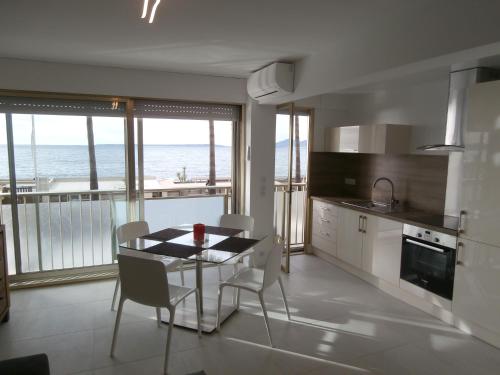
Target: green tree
(94,184)
(298,177)
(211,175)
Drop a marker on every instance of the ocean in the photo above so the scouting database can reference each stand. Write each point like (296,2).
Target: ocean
(160,161)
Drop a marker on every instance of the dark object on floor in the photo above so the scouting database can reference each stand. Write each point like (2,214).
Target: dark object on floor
(37,364)
(4,282)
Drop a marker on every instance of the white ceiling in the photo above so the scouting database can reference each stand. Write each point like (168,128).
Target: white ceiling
(218,37)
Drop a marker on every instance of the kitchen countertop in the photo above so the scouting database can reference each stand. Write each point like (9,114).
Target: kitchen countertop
(440,223)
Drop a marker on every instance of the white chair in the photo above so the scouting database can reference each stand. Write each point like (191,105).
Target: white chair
(144,280)
(127,232)
(257,280)
(235,221)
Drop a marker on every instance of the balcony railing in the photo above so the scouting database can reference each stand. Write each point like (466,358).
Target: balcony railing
(71,230)
(298,209)
(66,230)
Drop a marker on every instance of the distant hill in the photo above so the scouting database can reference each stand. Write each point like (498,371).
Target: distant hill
(284,143)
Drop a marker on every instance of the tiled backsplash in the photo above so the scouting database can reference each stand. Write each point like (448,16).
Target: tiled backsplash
(419,180)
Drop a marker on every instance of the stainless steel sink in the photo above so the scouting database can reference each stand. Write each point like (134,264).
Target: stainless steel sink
(370,205)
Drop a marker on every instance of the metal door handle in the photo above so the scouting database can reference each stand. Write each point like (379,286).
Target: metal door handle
(365,223)
(461,221)
(425,245)
(460,245)
(359,223)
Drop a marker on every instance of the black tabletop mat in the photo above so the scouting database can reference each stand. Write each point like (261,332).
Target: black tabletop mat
(222,231)
(173,250)
(166,234)
(235,244)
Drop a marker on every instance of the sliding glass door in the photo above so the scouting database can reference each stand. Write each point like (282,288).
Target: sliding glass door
(293,129)
(186,161)
(73,170)
(65,192)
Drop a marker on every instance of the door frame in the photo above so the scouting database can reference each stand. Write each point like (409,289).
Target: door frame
(292,110)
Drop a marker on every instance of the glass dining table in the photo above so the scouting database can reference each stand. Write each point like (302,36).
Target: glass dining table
(220,246)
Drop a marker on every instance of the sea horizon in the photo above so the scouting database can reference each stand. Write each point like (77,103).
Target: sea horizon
(160,161)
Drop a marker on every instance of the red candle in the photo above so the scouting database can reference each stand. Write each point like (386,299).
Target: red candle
(199,232)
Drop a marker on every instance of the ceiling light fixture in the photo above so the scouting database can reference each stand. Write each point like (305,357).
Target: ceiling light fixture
(153,10)
(145,9)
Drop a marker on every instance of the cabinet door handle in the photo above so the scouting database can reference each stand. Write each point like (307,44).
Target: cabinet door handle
(460,253)
(359,224)
(365,223)
(461,221)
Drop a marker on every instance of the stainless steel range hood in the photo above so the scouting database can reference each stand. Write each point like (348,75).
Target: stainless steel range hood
(460,81)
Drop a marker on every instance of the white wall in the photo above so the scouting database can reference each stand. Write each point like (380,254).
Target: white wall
(329,110)
(260,137)
(85,79)
(423,106)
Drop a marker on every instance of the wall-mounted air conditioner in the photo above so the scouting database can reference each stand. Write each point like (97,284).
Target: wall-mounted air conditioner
(273,81)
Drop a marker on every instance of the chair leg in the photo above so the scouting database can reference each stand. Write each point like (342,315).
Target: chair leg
(266,319)
(235,290)
(284,297)
(169,338)
(117,285)
(158,316)
(117,325)
(220,272)
(181,270)
(198,312)
(219,307)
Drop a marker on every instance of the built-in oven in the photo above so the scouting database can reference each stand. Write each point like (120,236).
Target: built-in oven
(428,259)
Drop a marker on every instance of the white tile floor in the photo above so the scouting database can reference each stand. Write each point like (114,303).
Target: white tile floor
(341,325)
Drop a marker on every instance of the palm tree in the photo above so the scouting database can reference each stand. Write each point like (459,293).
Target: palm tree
(297,150)
(211,175)
(94,185)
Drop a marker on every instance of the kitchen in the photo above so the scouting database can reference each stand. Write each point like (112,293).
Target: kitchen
(413,214)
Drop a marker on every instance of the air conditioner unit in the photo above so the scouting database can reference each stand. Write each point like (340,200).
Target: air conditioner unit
(272,81)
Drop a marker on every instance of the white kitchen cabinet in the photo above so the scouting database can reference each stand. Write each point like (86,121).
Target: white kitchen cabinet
(324,227)
(476,292)
(480,172)
(364,241)
(382,248)
(350,237)
(371,139)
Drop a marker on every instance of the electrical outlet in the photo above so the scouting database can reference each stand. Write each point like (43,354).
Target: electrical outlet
(350,181)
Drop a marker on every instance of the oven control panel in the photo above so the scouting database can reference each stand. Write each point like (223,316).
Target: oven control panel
(428,235)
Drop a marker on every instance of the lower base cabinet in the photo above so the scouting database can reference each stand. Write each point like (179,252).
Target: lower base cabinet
(382,248)
(350,237)
(476,292)
(370,243)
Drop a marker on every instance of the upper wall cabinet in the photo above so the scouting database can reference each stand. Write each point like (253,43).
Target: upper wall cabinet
(369,139)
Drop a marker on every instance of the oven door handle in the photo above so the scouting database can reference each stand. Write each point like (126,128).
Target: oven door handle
(424,245)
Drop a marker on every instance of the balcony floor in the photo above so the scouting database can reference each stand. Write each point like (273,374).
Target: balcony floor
(341,325)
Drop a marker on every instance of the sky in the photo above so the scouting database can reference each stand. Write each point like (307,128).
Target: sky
(71,130)
(283,127)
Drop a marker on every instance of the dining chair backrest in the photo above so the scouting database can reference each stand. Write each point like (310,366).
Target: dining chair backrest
(236,221)
(129,231)
(272,267)
(144,280)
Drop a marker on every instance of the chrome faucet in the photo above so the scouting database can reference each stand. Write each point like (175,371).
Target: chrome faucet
(394,201)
